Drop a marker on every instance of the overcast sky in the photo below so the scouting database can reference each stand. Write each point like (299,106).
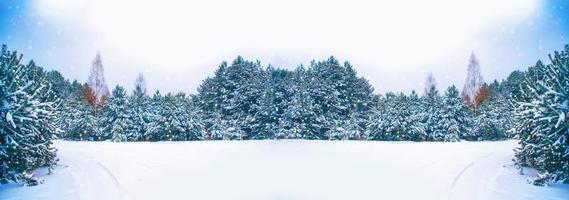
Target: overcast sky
(176,44)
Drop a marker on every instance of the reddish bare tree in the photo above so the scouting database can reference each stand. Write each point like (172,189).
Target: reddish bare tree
(97,90)
(473,83)
(481,95)
(89,96)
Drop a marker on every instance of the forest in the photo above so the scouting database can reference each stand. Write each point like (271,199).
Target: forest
(243,100)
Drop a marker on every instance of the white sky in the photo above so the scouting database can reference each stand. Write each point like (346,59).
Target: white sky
(394,44)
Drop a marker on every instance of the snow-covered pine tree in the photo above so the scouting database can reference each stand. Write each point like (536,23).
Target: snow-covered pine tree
(330,91)
(193,123)
(60,85)
(493,120)
(77,118)
(27,120)
(360,101)
(432,104)
(138,112)
(299,117)
(244,90)
(376,124)
(511,87)
(209,100)
(416,129)
(266,125)
(181,121)
(157,121)
(456,121)
(542,114)
(218,129)
(115,116)
(391,120)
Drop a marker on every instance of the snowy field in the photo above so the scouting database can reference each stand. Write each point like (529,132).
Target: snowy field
(285,169)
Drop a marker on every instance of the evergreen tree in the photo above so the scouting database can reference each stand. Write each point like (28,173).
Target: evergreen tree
(138,113)
(210,100)
(432,111)
(360,101)
(156,117)
(115,116)
(416,130)
(299,117)
(511,87)
(60,86)
(78,118)
(180,119)
(493,120)
(542,114)
(455,117)
(27,116)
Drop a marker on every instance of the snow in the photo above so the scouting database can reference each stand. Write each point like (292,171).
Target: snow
(285,169)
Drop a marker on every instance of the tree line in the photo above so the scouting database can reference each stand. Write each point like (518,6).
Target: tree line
(243,100)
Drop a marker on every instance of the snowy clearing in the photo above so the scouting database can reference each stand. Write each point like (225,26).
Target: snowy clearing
(285,169)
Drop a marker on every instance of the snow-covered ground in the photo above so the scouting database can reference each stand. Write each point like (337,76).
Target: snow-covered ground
(285,169)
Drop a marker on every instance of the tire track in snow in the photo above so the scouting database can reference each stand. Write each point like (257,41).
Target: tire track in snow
(123,193)
(89,185)
(459,175)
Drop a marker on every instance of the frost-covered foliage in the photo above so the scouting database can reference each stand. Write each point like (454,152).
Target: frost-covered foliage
(455,121)
(493,119)
(138,114)
(243,100)
(315,103)
(396,119)
(115,119)
(542,116)
(432,111)
(175,119)
(27,111)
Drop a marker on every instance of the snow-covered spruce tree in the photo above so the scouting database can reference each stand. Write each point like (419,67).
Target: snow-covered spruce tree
(326,88)
(511,86)
(542,114)
(180,120)
(138,112)
(393,120)
(432,104)
(397,122)
(156,118)
(115,119)
(245,95)
(416,130)
(360,101)
(210,99)
(27,126)
(338,94)
(493,120)
(61,86)
(232,99)
(218,129)
(265,121)
(299,117)
(456,121)
(78,119)
(377,123)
